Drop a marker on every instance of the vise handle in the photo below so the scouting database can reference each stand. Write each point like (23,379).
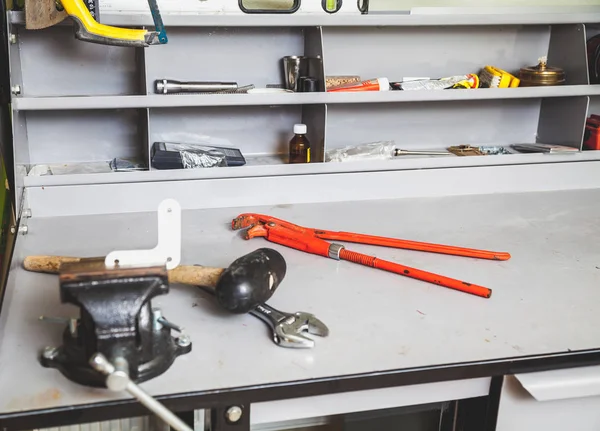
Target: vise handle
(183,274)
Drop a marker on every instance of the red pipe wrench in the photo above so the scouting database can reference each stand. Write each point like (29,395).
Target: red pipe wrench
(313,241)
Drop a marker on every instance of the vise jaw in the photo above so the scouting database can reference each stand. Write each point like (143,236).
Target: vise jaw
(116,320)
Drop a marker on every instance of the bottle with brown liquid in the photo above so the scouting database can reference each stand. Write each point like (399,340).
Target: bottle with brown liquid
(299,145)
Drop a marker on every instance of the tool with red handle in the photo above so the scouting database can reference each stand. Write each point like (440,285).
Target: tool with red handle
(313,241)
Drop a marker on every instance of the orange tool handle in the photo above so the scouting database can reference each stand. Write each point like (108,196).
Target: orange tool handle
(411,245)
(407,271)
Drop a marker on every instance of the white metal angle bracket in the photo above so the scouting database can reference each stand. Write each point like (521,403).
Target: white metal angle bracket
(167,251)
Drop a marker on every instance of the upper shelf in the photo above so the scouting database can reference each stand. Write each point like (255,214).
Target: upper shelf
(416,17)
(192,100)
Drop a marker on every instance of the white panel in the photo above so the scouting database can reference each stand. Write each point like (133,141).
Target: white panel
(562,384)
(362,401)
(519,411)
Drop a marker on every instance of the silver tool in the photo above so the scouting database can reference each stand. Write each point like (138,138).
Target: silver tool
(289,328)
(117,379)
(169,86)
(240,90)
(293,68)
(399,152)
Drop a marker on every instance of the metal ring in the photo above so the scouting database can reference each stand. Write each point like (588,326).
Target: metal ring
(334,250)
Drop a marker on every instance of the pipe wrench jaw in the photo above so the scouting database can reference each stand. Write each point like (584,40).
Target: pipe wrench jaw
(244,221)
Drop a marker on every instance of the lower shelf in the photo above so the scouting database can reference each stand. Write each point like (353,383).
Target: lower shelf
(274,165)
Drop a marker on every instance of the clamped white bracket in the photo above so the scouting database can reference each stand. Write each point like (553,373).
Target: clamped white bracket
(167,251)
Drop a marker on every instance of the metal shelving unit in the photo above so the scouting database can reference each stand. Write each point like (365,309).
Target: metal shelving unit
(405,45)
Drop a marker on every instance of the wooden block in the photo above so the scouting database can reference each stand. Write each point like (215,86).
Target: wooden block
(41,14)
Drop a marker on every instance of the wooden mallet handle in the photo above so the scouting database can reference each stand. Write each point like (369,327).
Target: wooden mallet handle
(183,274)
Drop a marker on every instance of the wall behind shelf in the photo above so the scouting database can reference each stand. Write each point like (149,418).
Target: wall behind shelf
(434,125)
(231,54)
(398,52)
(54,63)
(83,136)
(254,130)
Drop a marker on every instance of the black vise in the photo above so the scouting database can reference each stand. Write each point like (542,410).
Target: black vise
(117,320)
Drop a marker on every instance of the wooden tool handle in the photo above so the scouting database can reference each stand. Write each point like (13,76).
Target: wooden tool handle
(183,274)
(47,264)
(195,275)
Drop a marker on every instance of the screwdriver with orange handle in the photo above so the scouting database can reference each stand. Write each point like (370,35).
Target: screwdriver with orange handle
(313,241)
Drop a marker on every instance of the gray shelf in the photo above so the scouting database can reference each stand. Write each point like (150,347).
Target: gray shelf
(198,100)
(273,166)
(435,17)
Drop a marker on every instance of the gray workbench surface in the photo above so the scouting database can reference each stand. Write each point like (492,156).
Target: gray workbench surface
(546,298)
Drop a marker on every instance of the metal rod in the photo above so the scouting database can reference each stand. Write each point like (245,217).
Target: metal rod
(400,152)
(157,408)
(170,324)
(118,379)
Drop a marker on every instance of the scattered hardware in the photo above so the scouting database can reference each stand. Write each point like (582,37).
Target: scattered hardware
(240,90)
(494,77)
(170,86)
(465,150)
(171,155)
(399,152)
(384,150)
(494,150)
(269,90)
(313,241)
(544,148)
(126,165)
(542,75)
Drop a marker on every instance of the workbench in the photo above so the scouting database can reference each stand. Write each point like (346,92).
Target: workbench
(527,358)
(394,333)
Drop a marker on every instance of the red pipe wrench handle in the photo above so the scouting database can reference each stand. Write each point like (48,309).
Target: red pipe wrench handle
(299,241)
(417,274)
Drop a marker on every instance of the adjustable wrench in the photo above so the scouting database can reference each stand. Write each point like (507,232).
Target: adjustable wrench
(289,328)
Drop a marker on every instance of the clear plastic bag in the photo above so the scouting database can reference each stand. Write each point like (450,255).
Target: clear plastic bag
(198,156)
(382,150)
(126,165)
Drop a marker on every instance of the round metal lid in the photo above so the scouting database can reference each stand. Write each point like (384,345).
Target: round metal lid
(542,74)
